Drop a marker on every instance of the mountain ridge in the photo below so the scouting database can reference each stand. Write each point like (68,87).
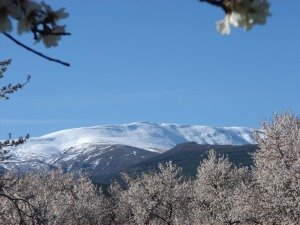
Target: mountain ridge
(150,136)
(93,147)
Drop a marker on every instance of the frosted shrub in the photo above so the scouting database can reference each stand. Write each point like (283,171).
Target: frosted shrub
(56,198)
(154,198)
(214,189)
(277,170)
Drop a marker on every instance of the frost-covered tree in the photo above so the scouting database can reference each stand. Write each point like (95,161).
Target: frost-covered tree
(54,198)
(42,22)
(154,198)
(245,197)
(12,201)
(217,179)
(15,209)
(9,89)
(277,170)
(5,91)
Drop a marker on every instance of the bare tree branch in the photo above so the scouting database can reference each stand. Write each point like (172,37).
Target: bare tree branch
(34,51)
(218,3)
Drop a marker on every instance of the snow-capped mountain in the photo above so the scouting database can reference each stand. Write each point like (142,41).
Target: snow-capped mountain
(88,145)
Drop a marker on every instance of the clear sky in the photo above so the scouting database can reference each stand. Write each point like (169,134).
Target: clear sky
(158,61)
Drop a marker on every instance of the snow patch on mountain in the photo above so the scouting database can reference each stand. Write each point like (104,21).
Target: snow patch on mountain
(104,147)
(144,135)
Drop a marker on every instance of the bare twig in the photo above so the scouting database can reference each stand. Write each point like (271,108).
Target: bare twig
(34,51)
(218,3)
(10,89)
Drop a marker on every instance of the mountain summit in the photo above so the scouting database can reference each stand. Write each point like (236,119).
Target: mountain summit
(145,135)
(88,146)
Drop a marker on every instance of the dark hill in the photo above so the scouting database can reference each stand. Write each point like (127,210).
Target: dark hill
(188,156)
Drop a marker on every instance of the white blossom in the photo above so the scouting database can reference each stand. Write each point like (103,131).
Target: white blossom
(5,22)
(26,21)
(223,26)
(54,15)
(61,14)
(60,199)
(277,173)
(31,16)
(154,198)
(51,39)
(244,14)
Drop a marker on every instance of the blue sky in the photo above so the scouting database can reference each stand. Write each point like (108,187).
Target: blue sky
(158,61)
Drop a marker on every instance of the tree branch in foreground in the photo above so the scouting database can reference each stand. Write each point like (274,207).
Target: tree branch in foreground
(218,3)
(34,51)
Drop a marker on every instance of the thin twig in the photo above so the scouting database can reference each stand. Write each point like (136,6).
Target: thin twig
(218,3)
(34,51)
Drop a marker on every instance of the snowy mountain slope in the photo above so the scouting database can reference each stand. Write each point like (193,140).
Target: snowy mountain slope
(150,136)
(76,145)
(98,158)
